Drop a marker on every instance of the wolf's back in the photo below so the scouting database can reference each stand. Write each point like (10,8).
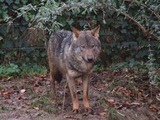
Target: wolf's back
(58,40)
(56,46)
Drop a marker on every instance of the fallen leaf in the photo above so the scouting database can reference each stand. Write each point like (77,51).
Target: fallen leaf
(36,108)
(106,85)
(110,100)
(153,108)
(126,104)
(70,116)
(5,93)
(158,112)
(135,103)
(9,78)
(158,97)
(99,89)
(53,101)
(102,113)
(23,91)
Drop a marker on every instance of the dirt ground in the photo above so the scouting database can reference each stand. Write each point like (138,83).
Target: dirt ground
(114,95)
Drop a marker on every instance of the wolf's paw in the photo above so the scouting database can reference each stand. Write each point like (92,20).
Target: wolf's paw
(76,111)
(88,111)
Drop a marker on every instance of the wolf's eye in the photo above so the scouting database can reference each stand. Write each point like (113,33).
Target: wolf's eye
(82,46)
(93,46)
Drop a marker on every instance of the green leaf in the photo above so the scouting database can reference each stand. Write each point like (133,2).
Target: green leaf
(4,15)
(4,7)
(119,12)
(9,1)
(1,38)
(17,1)
(70,21)
(24,1)
(82,23)
(43,54)
(123,31)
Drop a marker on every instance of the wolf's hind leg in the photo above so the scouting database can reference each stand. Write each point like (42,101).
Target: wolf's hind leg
(73,92)
(51,74)
(52,81)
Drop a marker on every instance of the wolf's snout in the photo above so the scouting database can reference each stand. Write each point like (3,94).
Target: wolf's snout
(89,58)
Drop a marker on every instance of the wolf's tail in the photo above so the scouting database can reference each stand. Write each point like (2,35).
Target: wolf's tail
(58,76)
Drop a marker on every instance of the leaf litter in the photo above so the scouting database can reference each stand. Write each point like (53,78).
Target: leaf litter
(113,95)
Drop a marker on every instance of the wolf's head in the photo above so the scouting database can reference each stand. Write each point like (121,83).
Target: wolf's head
(86,44)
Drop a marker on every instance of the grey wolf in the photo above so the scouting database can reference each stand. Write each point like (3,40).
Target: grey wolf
(71,55)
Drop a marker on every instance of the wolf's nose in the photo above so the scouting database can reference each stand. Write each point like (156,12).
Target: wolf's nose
(89,58)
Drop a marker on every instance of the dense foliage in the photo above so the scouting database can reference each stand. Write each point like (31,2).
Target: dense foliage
(130,29)
(14,36)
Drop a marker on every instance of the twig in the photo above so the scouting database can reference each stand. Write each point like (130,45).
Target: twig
(150,11)
(120,113)
(146,32)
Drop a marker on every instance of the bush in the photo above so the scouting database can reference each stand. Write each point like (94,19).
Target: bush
(23,70)
(9,70)
(127,28)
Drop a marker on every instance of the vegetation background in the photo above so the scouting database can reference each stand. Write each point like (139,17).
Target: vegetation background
(130,32)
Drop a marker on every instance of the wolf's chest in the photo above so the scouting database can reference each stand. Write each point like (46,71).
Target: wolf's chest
(78,68)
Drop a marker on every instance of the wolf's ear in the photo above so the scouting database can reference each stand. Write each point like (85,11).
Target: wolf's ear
(95,31)
(75,31)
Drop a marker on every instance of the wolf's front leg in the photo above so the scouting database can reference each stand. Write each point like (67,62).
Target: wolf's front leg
(86,104)
(73,92)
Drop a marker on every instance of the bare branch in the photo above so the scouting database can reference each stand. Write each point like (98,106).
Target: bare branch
(146,32)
